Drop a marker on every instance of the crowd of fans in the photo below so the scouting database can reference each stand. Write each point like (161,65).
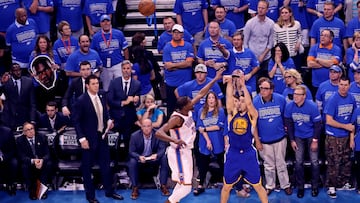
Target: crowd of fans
(300,61)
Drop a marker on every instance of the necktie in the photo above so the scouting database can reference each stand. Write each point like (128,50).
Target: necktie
(126,88)
(99,114)
(32,145)
(16,87)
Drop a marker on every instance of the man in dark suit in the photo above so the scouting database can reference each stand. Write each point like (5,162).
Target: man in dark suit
(76,88)
(34,156)
(123,97)
(20,105)
(8,161)
(91,119)
(53,120)
(147,152)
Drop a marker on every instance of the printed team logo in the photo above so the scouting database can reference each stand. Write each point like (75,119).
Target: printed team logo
(240,125)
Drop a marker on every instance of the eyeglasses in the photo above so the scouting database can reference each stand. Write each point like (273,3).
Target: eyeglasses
(265,88)
(298,94)
(287,77)
(29,129)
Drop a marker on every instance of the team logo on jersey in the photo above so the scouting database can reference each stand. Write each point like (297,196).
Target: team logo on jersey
(240,125)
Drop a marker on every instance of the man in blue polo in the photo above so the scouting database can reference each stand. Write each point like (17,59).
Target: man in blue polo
(303,123)
(111,45)
(21,36)
(178,57)
(338,111)
(227,27)
(321,57)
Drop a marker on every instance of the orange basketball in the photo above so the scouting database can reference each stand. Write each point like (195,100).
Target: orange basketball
(146,7)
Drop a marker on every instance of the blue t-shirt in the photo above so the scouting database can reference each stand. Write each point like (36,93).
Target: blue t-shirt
(191,14)
(41,18)
(237,18)
(324,92)
(245,61)
(216,137)
(154,116)
(278,78)
(7,11)
(65,48)
(74,60)
(177,54)
(355,92)
(94,9)
(192,88)
(300,14)
(341,109)
(166,37)
(70,11)
(143,78)
(227,28)
(206,52)
(320,75)
(109,49)
(290,91)
(22,39)
(356,121)
(336,25)
(304,117)
(270,121)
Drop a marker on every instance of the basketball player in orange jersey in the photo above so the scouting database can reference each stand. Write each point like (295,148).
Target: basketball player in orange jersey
(181,127)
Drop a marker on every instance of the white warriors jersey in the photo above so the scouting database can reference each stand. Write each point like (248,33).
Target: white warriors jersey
(186,132)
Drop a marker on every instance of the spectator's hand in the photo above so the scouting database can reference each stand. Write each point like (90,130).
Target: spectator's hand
(153,157)
(352,144)
(85,144)
(349,127)
(61,129)
(219,73)
(247,77)
(227,78)
(110,124)
(65,111)
(209,145)
(314,146)
(319,14)
(142,159)
(5,77)
(294,145)
(54,67)
(353,46)
(261,58)
(210,63)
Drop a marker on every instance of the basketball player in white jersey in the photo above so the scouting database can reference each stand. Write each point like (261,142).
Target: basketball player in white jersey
(181,127)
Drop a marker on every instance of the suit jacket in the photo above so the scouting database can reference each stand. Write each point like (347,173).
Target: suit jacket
(85,119)
(137,145)
(7,143)
(18,108)
(116,94)
(24,149)
(60,121)
(73,92)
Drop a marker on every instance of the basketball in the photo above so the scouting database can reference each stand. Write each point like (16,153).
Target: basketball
(146,7)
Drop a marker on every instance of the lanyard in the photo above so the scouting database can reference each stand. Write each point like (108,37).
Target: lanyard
(67,46)
(107,43)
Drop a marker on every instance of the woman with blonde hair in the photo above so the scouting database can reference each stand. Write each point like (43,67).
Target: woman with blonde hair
(288,31)
(292,79)
(150,111)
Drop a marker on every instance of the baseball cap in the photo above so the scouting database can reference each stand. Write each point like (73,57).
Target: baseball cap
(336,68)
(104,17)
(178,28)
(200,68)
